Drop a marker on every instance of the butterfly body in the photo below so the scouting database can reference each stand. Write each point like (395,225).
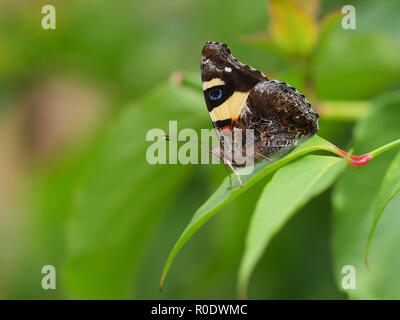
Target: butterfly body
(239,97)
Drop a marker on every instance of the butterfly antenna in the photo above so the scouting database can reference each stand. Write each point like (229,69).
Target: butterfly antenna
(166,137)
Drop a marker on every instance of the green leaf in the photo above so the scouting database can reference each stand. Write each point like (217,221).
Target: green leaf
(354,202)
(222,195)
(124,196)
(357,64)
(290,188)
(389,188)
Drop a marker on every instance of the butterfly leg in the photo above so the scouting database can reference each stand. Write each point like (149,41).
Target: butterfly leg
(235,172)
(266,158)
(229,175)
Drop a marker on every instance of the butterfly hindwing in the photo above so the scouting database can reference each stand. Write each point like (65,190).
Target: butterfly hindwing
(279,116)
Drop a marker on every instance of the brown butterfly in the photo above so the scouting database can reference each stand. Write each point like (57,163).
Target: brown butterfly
(239,97)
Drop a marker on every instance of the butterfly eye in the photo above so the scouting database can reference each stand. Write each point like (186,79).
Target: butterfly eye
(215,94)
(298,119)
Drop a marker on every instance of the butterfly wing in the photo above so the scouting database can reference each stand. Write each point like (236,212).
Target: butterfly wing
(226,84)
(279,115)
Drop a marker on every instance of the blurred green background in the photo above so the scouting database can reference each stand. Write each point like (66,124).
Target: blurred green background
(76,191)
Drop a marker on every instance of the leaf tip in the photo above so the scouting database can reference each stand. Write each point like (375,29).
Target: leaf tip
(242,286)
(366,261)
(355,161)
(242,294)
(359,161)
(162,283)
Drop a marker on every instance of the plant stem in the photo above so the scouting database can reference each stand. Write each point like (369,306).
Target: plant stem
(343,110)
(359,161)
(385,148)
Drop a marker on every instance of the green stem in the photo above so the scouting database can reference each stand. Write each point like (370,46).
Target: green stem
(343,110)
(359,161)
(385,148)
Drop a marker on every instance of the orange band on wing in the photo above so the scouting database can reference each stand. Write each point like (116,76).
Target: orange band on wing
(226,128)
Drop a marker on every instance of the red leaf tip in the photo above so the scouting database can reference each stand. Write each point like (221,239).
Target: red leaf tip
(359,161)
(355,161)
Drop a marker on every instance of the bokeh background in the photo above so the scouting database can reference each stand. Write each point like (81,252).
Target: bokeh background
(76,191)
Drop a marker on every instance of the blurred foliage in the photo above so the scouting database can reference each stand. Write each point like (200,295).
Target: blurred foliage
(354,201)
(76,190)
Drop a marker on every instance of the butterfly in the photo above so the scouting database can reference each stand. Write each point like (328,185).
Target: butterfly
(239,97)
